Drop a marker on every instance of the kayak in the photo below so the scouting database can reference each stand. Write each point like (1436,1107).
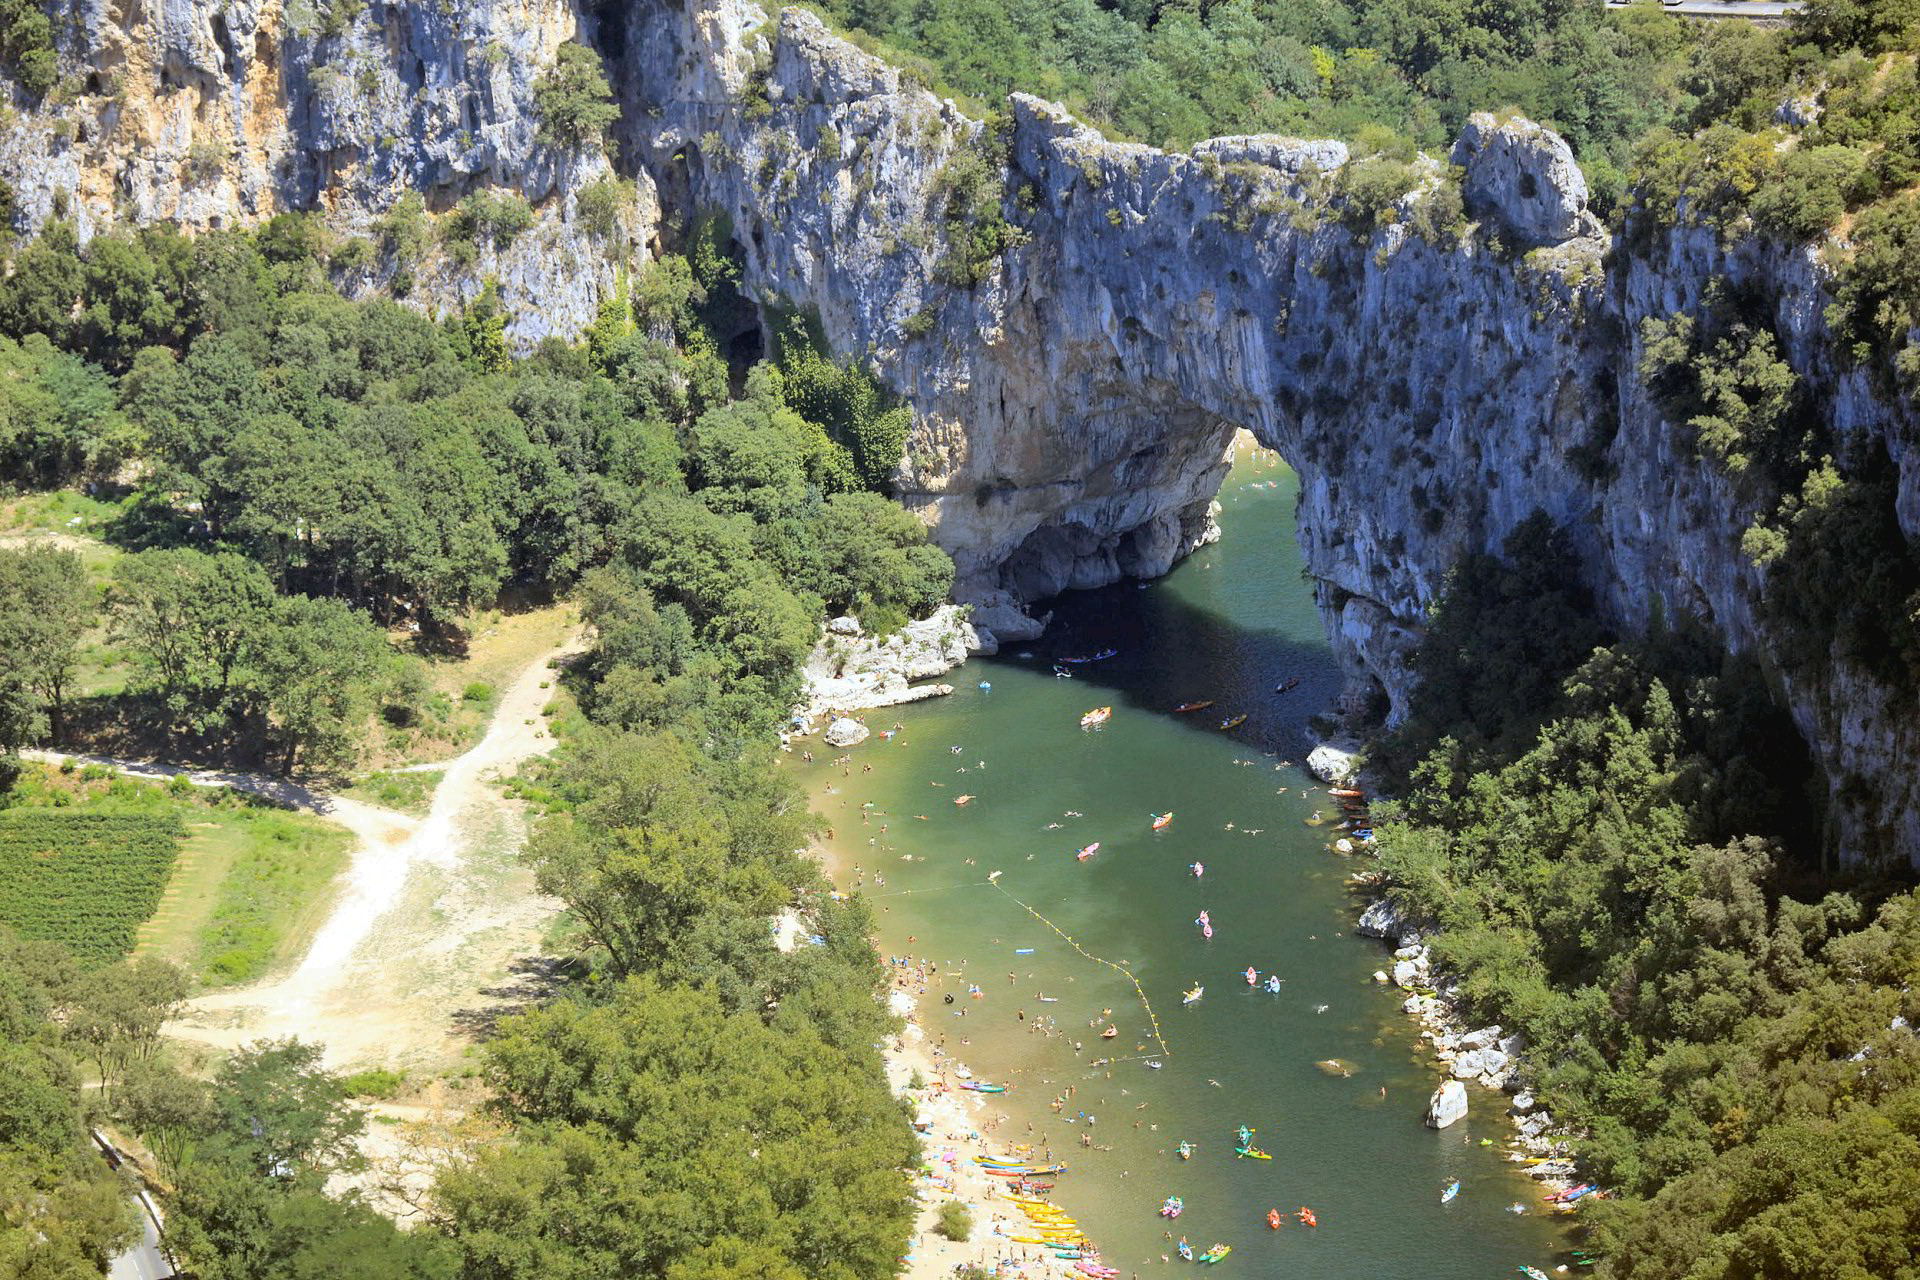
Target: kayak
(1253,976)
(1306,1216)
(1193,996)
(1160,820)
(1101,656)
(1274,1219)
(1216,1253)
(1186,1150)
(1097,716)
(979,1087)
(1346,793)
(1252,1153)
(1233,722)
(1172,1207)
(1194,706)
(1453,1189)
(1089,851)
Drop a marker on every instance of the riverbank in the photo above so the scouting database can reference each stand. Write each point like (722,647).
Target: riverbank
(955,1128)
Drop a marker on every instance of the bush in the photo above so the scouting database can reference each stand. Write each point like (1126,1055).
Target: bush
(599,204)
(486,216)
(478,691)
(956,1220)
(573,100)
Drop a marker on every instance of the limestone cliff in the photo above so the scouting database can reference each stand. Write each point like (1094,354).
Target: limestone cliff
(1432,390)
(1074,387)
(211,113)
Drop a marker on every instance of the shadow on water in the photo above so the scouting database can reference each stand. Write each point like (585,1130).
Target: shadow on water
(1186,639)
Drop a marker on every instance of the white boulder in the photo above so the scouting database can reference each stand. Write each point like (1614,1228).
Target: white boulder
(1330,763)
(846,732)
(1449,1103)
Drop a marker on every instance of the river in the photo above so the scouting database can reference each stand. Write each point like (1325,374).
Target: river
(1229,624)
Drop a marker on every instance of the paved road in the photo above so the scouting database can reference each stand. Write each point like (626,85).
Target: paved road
(1723,8)
(145,1260)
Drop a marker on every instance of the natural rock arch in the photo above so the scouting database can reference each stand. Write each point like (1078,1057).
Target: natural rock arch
(1433,389)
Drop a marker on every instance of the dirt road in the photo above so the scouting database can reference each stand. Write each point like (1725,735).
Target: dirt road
(434,913)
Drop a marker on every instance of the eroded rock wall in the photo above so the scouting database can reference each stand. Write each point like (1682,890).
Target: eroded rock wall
(1073,402)
(1432,390)
(212,113)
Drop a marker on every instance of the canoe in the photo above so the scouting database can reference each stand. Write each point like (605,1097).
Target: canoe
(1453,1189)
(1216,1253)
(1347,793)
(1274,1219)
(1194,706)
(1252,1153)
(1160,820)
(1193,996)
(1233,722)
(1099,715)
(1101,656)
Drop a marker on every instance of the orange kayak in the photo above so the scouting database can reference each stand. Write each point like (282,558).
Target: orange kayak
(1160,820)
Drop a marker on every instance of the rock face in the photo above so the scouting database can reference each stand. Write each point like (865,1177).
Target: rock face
(1433,391)
(1525,179)
(1073,394)
(212,113)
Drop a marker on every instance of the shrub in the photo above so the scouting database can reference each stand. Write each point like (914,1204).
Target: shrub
(375,1083)
(573,100)
(598,205)
(478,691)
(956,1220)
(485,216)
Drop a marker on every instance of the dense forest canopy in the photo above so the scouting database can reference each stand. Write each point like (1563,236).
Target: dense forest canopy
(313,490)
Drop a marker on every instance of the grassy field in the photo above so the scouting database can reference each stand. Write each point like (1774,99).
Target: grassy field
(408,793)
(250,883)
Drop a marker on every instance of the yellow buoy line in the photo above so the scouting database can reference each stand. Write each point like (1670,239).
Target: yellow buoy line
(1115,965)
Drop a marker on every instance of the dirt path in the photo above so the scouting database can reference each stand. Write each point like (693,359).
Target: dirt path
(432,910)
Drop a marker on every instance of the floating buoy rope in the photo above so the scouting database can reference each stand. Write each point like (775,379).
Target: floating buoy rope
(1115,965)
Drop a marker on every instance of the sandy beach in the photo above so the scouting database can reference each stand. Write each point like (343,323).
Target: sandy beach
(959,1125)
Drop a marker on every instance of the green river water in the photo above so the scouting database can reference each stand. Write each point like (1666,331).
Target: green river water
(1231,623)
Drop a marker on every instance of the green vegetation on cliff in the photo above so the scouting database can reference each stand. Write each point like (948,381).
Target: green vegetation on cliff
(1616,854)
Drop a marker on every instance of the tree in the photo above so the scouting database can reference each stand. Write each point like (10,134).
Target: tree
(284,1113)
(573,100)
(46,606)
(317,664)
(117,1011)
(603,1179)
(167,1108)
(190,620)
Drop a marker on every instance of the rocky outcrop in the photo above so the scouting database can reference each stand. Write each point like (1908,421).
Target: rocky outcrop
(213,113)
(1074,392)
(850,670)
(1434,386)
(1524,180)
